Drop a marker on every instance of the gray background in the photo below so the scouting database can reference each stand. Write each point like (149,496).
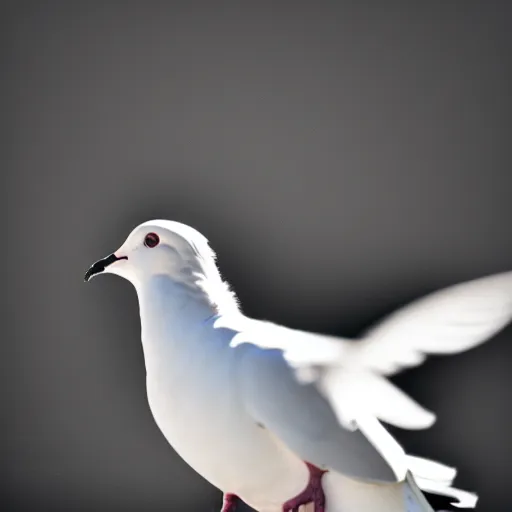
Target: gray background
(341,159)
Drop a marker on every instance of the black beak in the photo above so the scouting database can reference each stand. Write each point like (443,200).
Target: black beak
(101,265)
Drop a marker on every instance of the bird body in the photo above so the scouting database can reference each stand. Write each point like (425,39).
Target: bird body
(219,439)
(281,417)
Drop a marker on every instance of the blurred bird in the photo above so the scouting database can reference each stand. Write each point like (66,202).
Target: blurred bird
(282,418)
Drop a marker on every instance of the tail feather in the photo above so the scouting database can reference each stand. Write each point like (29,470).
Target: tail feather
(430,470)
(348,495)
(465,499)
(436,478)
(345,494)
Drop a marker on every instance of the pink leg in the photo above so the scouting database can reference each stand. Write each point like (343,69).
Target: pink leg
(229,503)
(313,493)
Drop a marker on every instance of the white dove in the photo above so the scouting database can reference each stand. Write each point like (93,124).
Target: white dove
(281,418)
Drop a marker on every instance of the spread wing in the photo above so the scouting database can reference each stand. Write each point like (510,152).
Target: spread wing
(323,396)
(449,321)
(351,374)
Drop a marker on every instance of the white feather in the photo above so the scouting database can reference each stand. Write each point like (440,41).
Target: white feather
(355,393)
(465,499)
(430,470)
(263,383)
(445,322)
(451,320)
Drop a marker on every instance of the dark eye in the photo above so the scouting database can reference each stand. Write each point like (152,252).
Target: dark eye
(151,240)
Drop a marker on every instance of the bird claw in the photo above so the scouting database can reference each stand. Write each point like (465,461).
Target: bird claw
(229,502)
(313,493)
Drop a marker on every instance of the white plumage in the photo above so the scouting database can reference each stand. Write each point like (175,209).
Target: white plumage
(245,402)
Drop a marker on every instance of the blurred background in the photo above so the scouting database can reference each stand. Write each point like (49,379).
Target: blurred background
(342,158)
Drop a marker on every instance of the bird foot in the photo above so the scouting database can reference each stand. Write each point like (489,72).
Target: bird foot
(229,502)
(313,493)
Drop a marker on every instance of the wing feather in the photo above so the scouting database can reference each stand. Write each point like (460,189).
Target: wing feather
(298,415)
(448,321)
(324,396)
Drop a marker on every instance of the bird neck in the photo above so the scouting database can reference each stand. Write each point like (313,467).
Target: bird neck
(173,314)
(167,297)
